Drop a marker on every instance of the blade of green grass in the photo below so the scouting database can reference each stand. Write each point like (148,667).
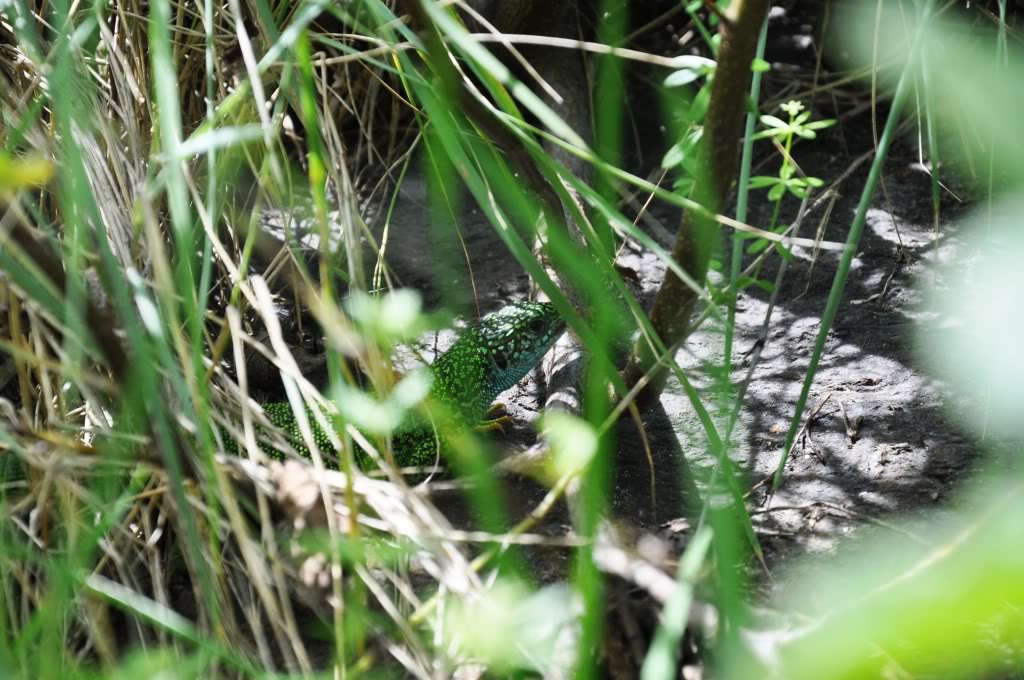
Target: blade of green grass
(742,194)
(662,660)
(163,618)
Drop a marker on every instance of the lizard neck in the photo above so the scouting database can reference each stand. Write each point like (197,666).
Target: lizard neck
(465,378)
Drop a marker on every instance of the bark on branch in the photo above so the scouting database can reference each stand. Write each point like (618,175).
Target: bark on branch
(695,240)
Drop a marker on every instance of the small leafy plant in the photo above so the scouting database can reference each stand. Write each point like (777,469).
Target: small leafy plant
(787,180)
(682,156)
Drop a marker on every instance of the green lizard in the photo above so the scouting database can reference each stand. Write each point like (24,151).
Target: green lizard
(485,361)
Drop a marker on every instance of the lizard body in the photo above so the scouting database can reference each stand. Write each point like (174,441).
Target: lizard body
(484,362)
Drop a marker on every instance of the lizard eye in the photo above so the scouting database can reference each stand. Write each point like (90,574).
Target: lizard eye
(500,360)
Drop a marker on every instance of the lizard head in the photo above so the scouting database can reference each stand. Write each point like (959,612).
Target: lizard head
(517,336)
(494,355)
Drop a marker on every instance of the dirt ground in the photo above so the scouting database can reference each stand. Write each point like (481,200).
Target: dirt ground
(878,444)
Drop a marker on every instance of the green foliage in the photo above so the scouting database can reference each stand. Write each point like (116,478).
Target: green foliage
(574,444)
(382,416)
(946,603)
(690,68)
(686,110)
(515,628)
(783,132)
(16,174)
(394,317)
(131,547)
(971,323)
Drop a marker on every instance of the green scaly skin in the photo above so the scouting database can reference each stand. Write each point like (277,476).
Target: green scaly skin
(484,362)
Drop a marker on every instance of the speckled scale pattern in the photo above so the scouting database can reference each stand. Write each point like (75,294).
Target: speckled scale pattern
(484,362)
